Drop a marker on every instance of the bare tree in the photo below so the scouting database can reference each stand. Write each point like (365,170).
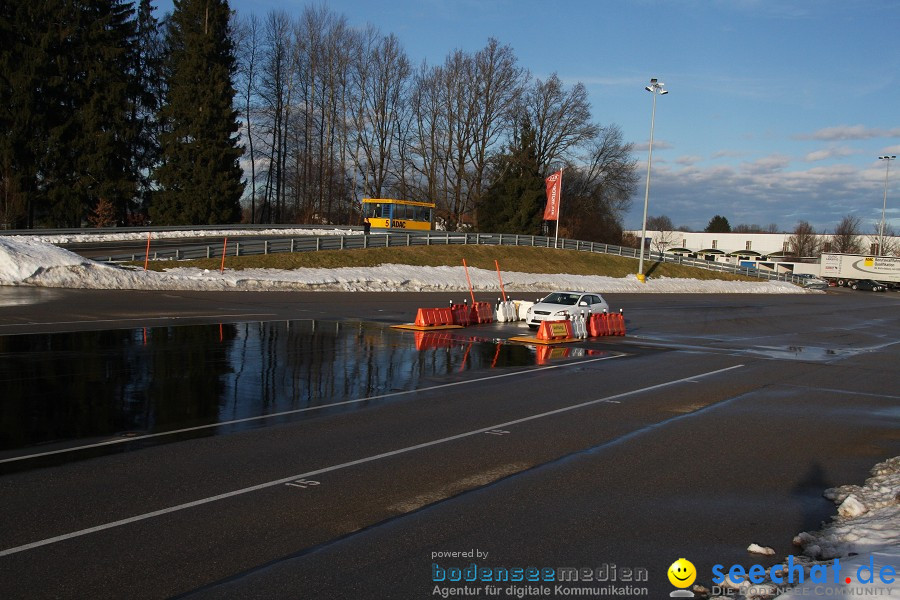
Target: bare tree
(463,111)
(890,244)
(665,232)
(248,45)
(499,84)
(846,238)
(597,193)
(273,90)
(382,78)
(804,243)
(561,120)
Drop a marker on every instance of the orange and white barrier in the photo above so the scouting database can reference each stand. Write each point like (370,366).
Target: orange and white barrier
(555,330)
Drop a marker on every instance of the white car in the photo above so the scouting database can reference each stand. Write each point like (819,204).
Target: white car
(559,305)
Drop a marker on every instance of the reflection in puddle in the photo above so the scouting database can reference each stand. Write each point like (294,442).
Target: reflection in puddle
(811,353)
(70,386)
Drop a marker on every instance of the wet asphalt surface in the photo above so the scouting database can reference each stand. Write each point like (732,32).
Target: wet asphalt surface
(717,422)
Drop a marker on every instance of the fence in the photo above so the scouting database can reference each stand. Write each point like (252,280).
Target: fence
(244,245)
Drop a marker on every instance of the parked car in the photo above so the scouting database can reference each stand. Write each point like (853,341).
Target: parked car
(559,305)
(868,284)
(812,282)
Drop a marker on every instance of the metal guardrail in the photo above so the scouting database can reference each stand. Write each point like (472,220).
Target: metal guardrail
(399,238)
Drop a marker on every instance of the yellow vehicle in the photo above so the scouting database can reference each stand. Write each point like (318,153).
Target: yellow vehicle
(384,213)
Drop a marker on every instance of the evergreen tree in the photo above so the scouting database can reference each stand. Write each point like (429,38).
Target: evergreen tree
(102,150)
(25,71)
(146,95)
(200,177)
(718,224)
(514,201)
(65,106)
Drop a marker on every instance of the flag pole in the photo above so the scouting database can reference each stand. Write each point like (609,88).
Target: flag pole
(558,211)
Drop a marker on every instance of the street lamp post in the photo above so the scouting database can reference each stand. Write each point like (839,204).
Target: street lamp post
(655,88)
(887,166)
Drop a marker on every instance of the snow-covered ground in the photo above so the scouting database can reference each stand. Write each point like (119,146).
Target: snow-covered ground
(36,262)
(868,522)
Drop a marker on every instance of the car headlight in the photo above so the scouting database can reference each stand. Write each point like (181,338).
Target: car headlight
(561,313)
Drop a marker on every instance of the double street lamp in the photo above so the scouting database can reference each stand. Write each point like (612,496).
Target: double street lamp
(655,88)
(887,166)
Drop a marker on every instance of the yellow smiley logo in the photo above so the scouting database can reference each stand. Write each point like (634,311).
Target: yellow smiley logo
(682,573)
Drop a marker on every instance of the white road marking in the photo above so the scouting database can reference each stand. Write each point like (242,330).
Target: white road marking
(352,463)
(296,411)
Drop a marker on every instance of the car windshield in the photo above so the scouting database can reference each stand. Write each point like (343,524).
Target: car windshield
(562,298)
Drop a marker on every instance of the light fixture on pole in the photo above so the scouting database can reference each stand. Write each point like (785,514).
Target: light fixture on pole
(655,88)
(887,159)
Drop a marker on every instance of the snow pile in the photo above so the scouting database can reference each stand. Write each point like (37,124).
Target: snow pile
(75,238)
(864,535)
(868,517)
(29,261)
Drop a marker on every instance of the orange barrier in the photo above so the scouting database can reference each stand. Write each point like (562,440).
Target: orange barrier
(606,324)
(483,312)
(460,314)
(428,317)
(617,323)
(555,330)
(598,325)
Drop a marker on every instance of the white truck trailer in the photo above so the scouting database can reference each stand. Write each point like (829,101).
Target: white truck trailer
(844,269)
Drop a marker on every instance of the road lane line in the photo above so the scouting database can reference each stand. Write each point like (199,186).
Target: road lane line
(298,410)
(352,463)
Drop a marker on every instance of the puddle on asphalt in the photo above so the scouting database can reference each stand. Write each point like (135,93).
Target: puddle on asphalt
(64,387)
(23,296)
(808,353)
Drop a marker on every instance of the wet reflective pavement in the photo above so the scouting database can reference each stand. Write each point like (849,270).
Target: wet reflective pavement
(100,390)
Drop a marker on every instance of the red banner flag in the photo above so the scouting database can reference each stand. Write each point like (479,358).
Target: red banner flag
(554,191)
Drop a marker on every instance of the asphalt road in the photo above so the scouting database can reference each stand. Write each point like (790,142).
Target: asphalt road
(717,422)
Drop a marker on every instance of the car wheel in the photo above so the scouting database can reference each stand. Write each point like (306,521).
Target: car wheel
(532,327)
(854,287)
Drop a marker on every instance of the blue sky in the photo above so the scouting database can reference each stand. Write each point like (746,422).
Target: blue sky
(777,109)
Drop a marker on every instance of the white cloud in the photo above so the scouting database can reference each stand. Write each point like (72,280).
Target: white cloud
(850,132)
(688,160)
(831,152)
(765,191)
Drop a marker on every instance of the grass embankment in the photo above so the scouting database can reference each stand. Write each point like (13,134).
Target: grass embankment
(511,258)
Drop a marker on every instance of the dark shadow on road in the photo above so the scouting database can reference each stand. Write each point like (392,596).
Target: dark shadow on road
(809,491)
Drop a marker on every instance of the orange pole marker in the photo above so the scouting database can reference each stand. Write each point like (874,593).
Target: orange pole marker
(471,292)
(147,253)
(500,277)
(224,248)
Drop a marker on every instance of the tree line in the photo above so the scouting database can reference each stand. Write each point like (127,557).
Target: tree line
(205,116)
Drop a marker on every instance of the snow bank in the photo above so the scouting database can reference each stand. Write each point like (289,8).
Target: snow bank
(75,238)
(30,261)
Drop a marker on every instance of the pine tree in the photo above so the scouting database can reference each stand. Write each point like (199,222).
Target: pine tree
(718,224)
(200,177)
(25,65)
(514,201)
(65,105)
(146,95)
